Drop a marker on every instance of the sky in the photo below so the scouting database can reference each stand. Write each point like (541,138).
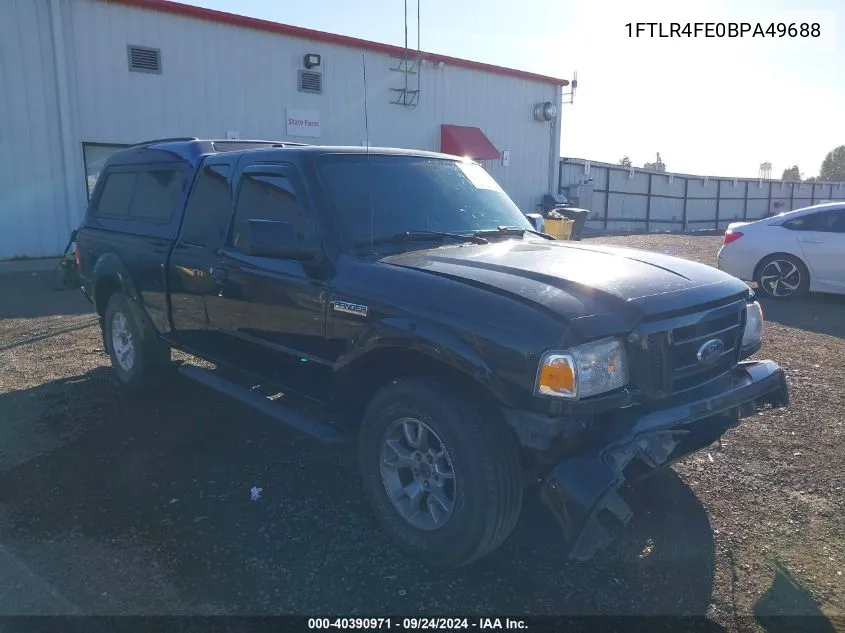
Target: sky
(710,106)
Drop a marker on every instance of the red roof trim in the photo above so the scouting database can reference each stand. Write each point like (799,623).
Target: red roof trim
(223,17)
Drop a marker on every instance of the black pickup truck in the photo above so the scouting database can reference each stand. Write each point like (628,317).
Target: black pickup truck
(409,303)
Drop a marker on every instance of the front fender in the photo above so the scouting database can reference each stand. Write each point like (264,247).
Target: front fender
(406,334)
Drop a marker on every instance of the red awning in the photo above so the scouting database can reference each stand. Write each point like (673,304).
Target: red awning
(466,141)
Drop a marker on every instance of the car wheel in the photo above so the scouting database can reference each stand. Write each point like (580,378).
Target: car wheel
(137,359)
(444,481)
(782,277)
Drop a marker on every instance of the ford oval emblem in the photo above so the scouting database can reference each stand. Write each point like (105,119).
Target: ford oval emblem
(710,351)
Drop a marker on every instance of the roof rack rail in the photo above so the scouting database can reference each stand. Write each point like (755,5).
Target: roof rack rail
(220,145)
(255,141)
(174,139)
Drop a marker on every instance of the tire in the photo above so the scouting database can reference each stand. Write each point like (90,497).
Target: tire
(782,276)
(486,488)
(138,359)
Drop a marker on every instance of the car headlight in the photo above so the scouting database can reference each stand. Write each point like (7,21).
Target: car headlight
(753,325)
(583,371)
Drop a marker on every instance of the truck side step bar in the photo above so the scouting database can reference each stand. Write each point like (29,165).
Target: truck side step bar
(319,430)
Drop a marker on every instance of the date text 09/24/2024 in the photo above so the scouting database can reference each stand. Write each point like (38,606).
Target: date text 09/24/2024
(723,29)
(417,624)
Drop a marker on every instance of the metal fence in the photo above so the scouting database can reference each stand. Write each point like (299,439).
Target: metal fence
(623,199)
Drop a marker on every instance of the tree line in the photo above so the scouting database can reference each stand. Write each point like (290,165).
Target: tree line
(832,169)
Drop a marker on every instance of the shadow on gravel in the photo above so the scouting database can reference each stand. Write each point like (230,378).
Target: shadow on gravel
(93,320)
(789,608)
(146,510)
(39,294)
(822,313)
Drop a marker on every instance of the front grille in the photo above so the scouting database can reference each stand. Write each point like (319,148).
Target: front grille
(664,354)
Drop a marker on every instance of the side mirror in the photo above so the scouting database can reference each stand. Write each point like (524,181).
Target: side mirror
(269,238)
(537,221)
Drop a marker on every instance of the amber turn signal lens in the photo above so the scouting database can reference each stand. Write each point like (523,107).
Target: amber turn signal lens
(557,376)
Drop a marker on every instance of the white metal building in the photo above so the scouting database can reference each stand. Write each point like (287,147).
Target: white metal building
(80,78)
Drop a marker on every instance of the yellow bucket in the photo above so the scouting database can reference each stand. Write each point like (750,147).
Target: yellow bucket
(559,229)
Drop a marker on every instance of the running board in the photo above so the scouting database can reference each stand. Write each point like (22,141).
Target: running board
(319,430)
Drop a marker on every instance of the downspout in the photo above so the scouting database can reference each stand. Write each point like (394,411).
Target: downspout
(60,64)
(554,150)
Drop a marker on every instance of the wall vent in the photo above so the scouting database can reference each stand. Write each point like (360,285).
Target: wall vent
(310,81)
(144,60)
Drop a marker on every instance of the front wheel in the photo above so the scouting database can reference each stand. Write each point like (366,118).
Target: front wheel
(444,481)
(782,277)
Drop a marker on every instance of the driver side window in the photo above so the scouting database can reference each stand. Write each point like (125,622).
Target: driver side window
(265,196)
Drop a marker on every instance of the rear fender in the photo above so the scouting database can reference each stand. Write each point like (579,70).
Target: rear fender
(110,274)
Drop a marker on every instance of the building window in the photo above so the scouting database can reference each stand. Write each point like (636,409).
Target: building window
(94,156)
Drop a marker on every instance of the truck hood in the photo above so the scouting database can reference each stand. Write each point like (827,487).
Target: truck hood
(576,282)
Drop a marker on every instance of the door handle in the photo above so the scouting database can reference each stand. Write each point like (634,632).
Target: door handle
(220,275)
(810,240)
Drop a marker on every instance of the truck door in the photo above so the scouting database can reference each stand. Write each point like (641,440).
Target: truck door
(268,314)
(191,267)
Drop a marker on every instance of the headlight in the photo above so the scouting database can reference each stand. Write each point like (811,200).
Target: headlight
(753,325)
(583,371)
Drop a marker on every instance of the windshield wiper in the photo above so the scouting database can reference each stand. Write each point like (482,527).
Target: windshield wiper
(509,230)
(423,236)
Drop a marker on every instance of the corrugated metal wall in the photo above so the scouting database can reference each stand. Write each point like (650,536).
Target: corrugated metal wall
(34,218)
(216,78)
(620,199)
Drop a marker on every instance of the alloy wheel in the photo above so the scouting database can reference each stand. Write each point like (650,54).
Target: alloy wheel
(417,473)
(122,342)
(780,278)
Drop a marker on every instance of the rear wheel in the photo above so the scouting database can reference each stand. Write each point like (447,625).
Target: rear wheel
(444,481)
(782,277)
(136,358)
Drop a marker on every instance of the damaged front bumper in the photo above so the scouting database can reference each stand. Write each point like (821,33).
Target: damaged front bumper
(584,486)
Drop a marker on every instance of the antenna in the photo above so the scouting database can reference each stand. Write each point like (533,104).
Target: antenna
(366,117)
(367,141)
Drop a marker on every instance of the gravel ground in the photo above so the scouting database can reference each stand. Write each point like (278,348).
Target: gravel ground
(121,503)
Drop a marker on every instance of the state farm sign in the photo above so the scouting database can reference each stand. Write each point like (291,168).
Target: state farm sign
(303,123)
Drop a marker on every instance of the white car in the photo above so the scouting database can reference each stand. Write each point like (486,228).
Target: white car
(791,253)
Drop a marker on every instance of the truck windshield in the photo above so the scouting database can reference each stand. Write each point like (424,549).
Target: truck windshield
(400,194)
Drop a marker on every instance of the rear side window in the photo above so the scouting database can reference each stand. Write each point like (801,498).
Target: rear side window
(264,197)
(826,222)
(209,207)
(116,195)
